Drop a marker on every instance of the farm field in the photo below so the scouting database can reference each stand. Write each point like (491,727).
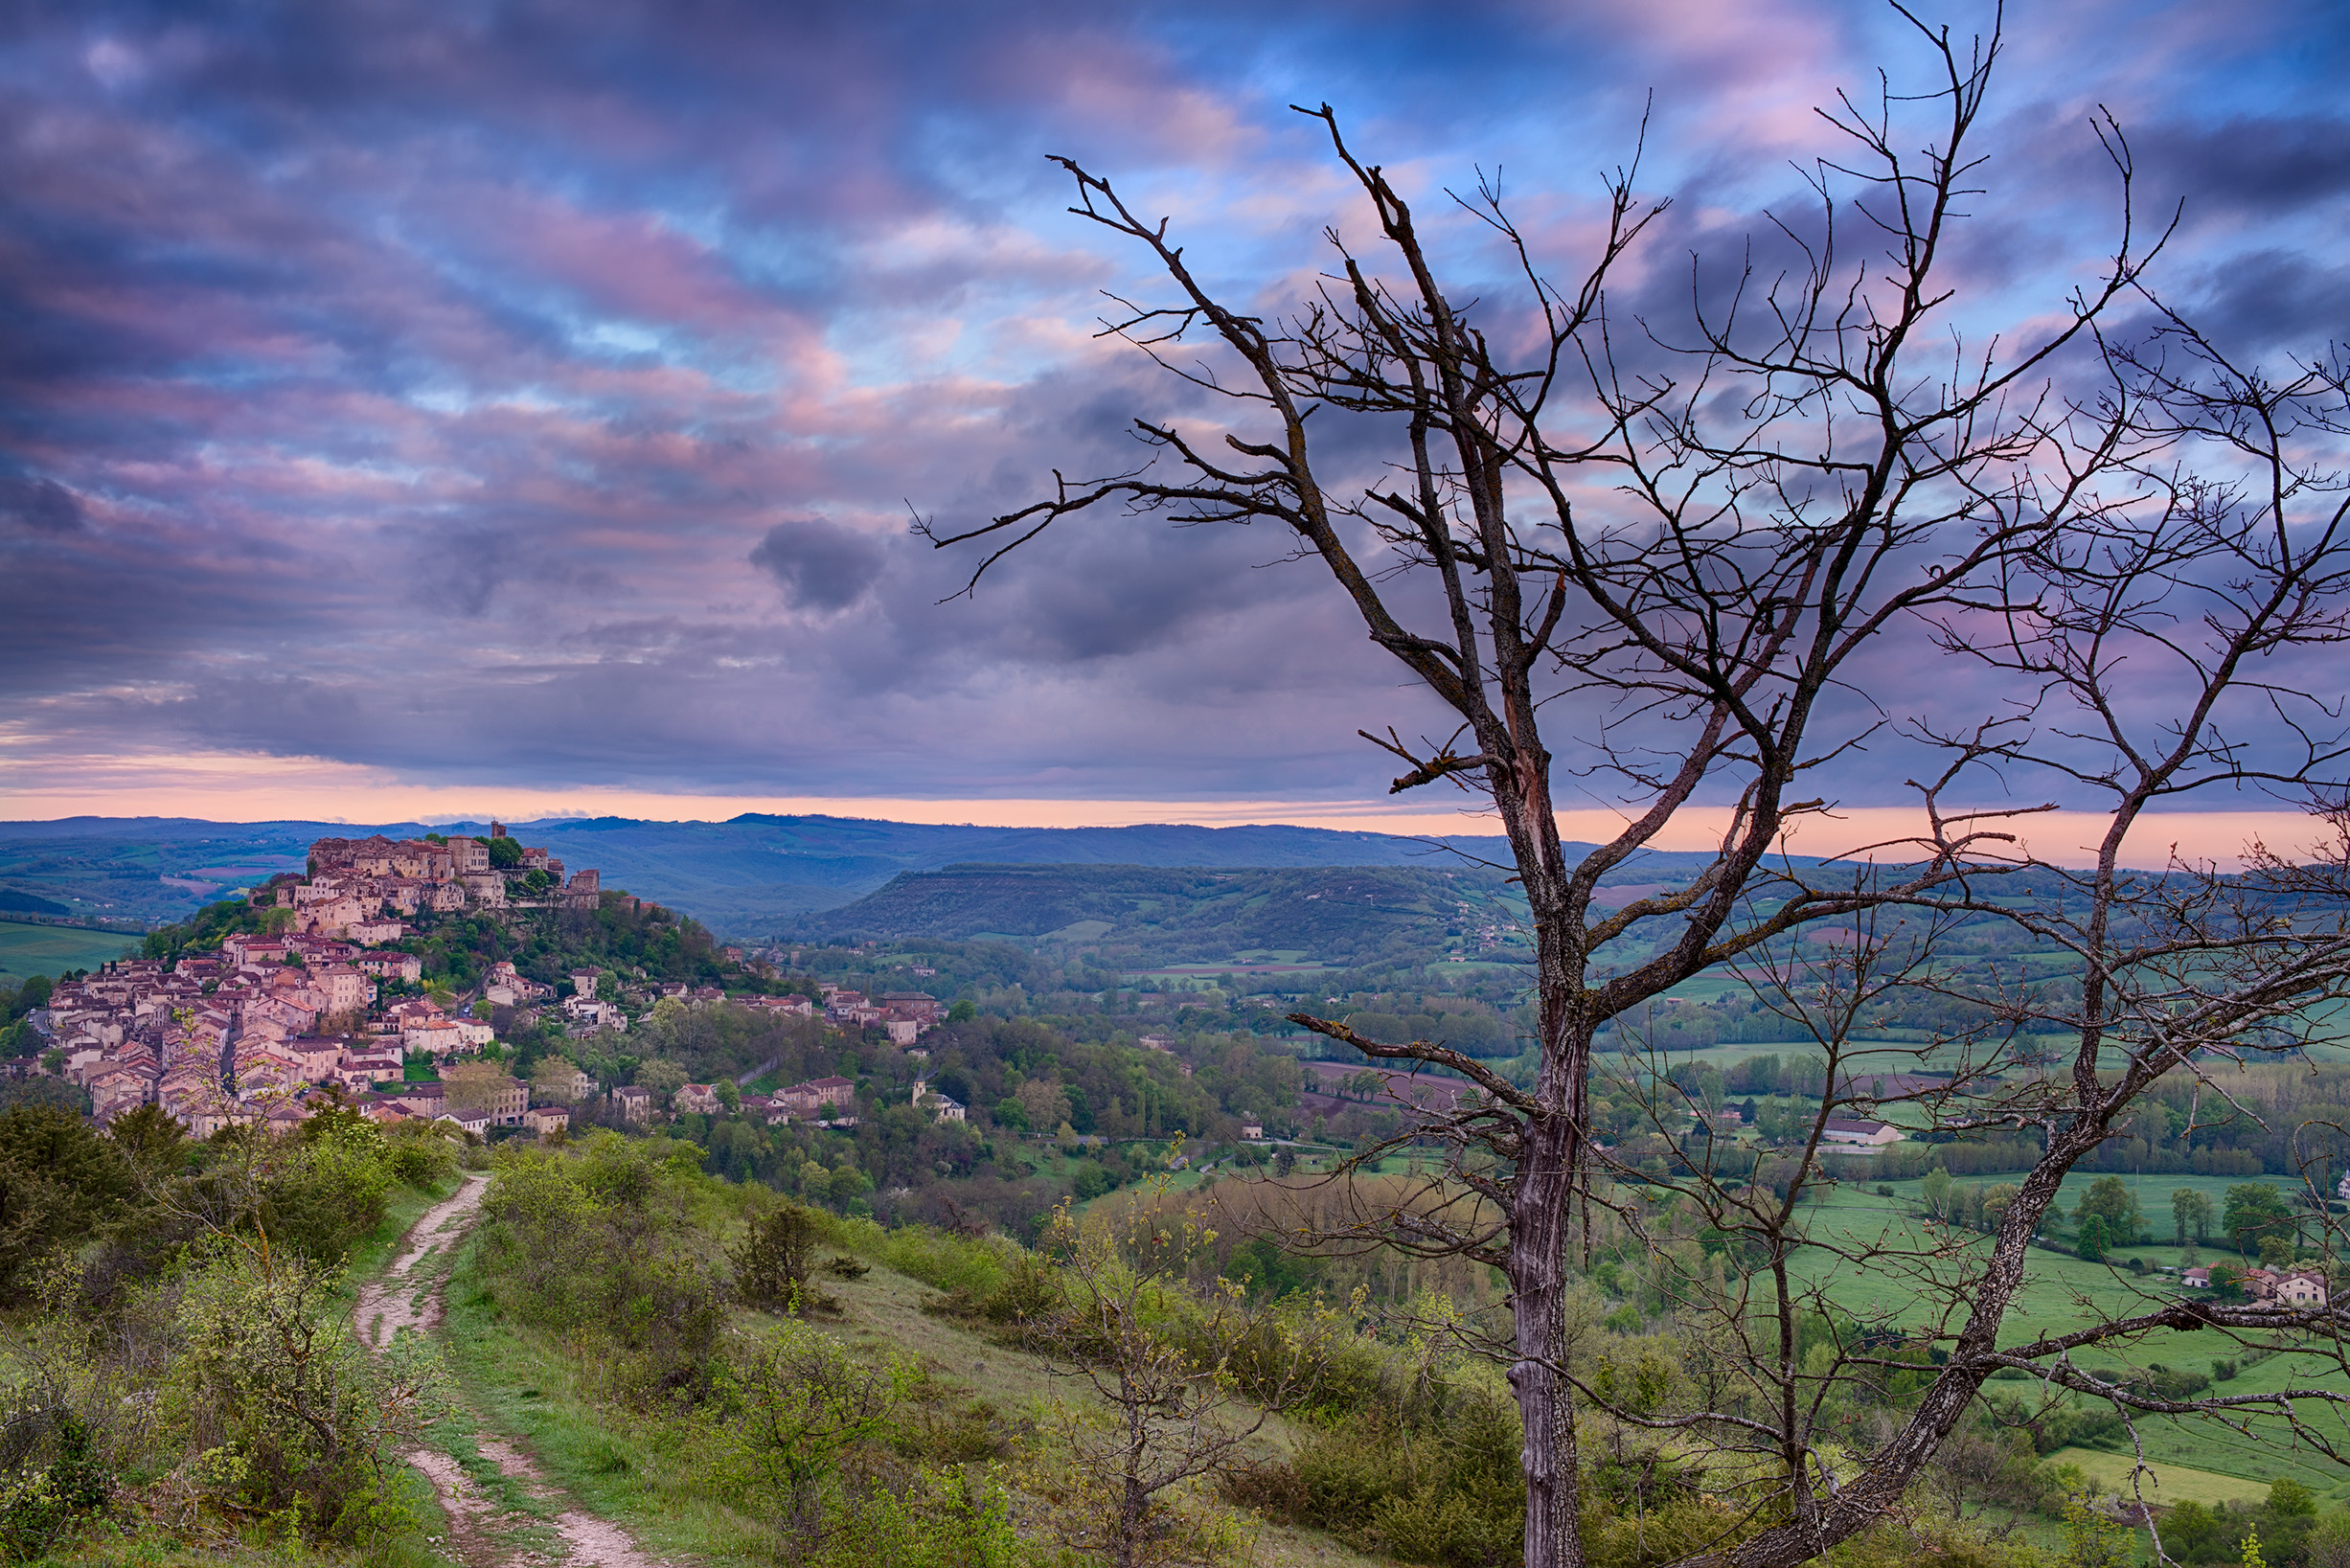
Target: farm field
(27,951)
(2058,1290)
(2061,1292)
(2169,1482)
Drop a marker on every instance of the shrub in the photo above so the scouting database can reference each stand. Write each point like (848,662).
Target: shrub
(51,1475)
(333,1189)
(283,1410)
(1446,1491)
(774,1260)
(944,1260)
(600,1238)
(421,1156)
(941,1519)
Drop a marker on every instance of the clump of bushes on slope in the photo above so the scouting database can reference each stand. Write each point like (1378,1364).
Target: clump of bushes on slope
(180,1358)
(625,1260)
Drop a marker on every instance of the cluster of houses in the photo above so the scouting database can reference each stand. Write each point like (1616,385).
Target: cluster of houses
(827,1102)
(211,1036)
(247,1032)
(907,1014)
(358,886)
(2285,1287)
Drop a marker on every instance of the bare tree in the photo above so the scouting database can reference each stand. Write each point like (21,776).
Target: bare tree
(1183,1371)
(1706,552)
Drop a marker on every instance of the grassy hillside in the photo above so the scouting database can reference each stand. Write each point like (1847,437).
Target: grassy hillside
(27,949)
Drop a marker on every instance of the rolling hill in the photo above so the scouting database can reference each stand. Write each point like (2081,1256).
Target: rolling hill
(1142,916)
(751,877)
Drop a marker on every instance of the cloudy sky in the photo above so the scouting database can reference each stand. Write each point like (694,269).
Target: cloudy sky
(509,406)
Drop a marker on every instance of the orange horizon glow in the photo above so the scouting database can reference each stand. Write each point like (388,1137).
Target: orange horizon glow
(253,789)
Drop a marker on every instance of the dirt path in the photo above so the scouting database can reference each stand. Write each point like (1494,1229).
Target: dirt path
(407,1294)
(485,1532)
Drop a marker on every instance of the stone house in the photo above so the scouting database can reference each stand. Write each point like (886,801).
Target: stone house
(1861,1134)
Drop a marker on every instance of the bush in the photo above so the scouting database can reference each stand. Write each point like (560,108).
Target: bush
(51,1475)
(598,1238)
(59,1182)
(281,1407)
(774,1260)
(334,1188)
(945,1262)
(421,1156)
(1446,1491)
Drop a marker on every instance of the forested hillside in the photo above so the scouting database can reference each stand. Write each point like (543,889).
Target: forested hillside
(1133,917)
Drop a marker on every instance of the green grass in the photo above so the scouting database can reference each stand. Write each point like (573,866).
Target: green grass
(2169,1482)
(27,951)
(521,1384)
(664,1489)
(402,1207)
(2059,1293)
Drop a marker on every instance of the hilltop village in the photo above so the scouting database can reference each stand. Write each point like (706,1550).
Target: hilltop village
(320,999)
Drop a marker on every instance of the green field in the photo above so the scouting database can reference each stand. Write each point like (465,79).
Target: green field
(27,951)
(2061,1293)
(2169,1482)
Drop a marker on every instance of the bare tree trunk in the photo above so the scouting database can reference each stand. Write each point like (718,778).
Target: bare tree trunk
(1538,1253)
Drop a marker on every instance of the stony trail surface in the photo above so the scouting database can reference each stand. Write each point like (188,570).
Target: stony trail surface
(399,1297)
(484,1531)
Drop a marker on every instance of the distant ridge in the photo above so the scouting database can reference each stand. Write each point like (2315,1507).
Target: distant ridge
(750,875)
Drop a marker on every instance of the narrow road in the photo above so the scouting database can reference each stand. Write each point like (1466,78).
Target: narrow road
(483,1532)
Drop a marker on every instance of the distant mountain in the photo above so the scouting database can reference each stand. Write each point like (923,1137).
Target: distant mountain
(751,877)
(746,876)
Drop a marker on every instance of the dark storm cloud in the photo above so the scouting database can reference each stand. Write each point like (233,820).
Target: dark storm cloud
(42,506)
(818,566)
(537,390)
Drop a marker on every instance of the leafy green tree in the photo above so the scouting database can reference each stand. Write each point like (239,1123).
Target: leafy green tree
(2254,1210)
(31,996)
(2328,1545)
(1936,1190)
(60,1185)
(505,853)
(2292,1499)
(2094,1239)
(2190,1211)
(2109,1198)
(664,1078)
(847,1182)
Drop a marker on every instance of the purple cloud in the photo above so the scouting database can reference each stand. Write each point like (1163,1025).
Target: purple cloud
(538,391)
